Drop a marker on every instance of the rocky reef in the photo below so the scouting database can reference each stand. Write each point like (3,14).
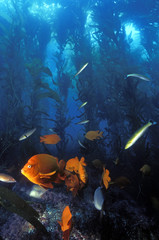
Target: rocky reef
(122,217)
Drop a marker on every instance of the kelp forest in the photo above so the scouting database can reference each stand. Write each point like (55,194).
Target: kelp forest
(55,56)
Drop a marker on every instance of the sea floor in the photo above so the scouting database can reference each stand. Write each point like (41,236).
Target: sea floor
(123,219)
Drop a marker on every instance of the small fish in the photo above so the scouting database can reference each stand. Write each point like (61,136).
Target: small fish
(27,134)
(51,130)
(99,202)
(36,191)
(121,182)
(50,139)
(81,144)
(83,104)
(92,135)
(138,76)
(98,198)
(76,166)
(83,122)
(66,223)
(105,177)
(43,169)
(6,178)
(97,163)
(138,134)
(72,165)
(146,169)
(82,171)
(72,183)
(116,162)
(82,68)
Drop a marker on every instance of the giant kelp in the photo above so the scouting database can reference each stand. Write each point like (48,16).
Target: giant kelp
(13,203)
(121,105)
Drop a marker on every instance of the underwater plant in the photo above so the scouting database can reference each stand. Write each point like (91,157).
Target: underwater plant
(12,202)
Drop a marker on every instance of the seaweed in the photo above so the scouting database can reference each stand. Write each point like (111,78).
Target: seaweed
(51,94)
(13,203)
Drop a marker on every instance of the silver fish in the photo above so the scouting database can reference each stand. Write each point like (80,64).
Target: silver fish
(81,144)
(36,191)
(83,122)
(138,76)
(83,104)
(6,178)
(98,199)
(52,130)
(27,134)
(82,68)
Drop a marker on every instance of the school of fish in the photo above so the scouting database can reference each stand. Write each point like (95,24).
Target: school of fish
(45,169)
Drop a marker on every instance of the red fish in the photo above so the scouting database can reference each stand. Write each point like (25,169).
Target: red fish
(42,169)
(66,223)
(50,139)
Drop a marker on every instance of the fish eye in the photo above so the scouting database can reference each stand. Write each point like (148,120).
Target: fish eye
(29,166)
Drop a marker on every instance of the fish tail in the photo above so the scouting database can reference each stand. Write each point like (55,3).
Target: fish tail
(101,134)
(60,222)
(42,139)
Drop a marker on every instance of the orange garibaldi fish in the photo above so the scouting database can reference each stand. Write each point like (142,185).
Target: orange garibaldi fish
(72,183)
(74,165)
(66,223)
(42,169)
(105,177)
(76,175)
(92,135)
(82,172)
(50,139)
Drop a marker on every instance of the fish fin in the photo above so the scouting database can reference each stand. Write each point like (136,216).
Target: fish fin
(75,191)
(46,185)
(62,165)
(45,175)
(82,161)
(60,222)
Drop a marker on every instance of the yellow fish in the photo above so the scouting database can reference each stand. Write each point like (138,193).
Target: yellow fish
(138,134)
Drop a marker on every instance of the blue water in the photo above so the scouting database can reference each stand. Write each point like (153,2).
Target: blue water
(43,44)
